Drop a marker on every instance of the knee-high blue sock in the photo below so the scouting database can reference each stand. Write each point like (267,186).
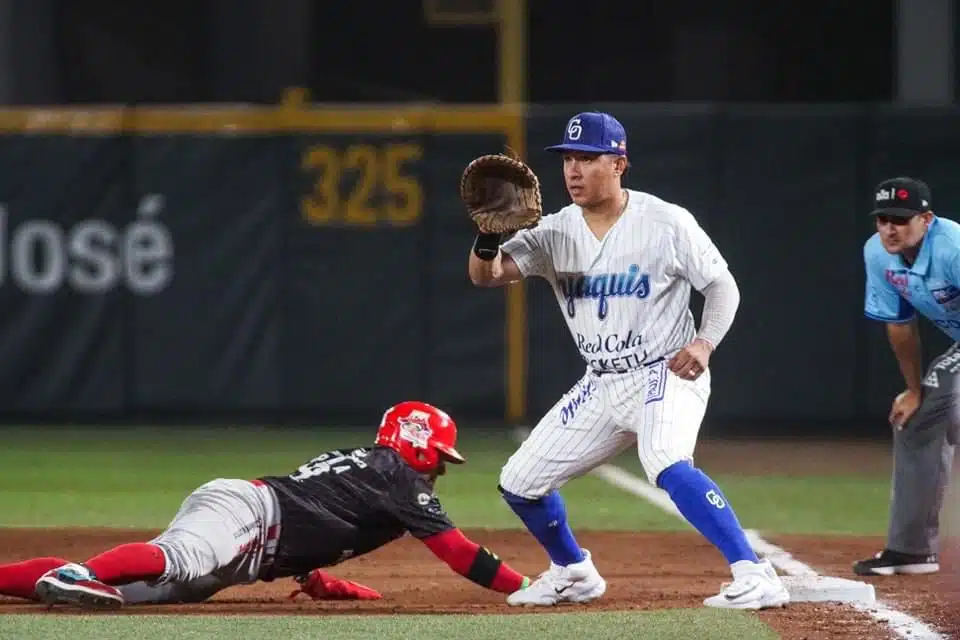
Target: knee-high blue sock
(704,506)
(546,519)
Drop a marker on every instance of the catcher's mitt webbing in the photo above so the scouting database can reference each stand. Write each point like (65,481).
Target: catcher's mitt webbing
(501,193)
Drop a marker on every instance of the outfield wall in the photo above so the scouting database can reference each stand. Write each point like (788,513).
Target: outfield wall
(299,263)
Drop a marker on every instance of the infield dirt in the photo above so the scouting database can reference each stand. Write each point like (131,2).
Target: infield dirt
(645,571)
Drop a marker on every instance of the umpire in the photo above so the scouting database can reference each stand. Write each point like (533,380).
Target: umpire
(913,267)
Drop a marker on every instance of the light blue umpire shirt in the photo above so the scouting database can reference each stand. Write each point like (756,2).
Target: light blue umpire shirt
(931,286)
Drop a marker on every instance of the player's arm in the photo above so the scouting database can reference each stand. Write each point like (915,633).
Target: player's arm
(904,339)
(475,562)
(883,303)
(699,261)
(494,263)
(721,299)
(489,266)
(413,503)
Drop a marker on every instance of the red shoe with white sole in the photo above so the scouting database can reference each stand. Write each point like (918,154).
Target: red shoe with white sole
(74,584)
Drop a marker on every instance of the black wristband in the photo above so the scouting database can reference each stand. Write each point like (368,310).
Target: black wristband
(486,246)
(484,568)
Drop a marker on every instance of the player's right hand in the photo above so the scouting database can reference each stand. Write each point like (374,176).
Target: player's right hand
(904,406)
(320,585)
(691,361)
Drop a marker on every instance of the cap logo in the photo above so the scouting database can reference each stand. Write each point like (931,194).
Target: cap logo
(574,129)
(885,194)
(902,194)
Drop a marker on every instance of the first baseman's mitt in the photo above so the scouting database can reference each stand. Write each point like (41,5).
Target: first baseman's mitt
(502,193)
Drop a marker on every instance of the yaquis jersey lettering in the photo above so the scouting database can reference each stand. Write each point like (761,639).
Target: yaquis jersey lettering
(603,286)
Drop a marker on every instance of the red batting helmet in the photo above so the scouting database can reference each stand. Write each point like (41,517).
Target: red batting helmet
(421,434)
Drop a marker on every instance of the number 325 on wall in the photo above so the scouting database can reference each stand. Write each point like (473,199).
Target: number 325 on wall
(362,185)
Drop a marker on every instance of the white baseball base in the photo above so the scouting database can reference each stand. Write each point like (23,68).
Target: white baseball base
(828,589)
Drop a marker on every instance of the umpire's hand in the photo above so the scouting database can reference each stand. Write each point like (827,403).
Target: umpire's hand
(904,406)
(691,361)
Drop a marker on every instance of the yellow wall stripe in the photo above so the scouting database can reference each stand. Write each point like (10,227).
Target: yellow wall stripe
(252,119)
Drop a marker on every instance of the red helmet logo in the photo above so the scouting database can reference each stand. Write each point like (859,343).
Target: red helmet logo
(421,433)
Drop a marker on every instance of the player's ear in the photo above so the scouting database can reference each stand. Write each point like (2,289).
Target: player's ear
(621,164)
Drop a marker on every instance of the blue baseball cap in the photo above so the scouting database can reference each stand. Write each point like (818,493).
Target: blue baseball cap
(593,132)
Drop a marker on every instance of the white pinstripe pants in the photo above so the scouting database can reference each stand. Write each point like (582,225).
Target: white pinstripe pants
(601,416)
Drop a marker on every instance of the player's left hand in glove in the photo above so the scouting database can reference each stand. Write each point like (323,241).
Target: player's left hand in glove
(320,585)
(501,193)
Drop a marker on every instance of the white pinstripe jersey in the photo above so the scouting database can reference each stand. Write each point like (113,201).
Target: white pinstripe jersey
(626,298)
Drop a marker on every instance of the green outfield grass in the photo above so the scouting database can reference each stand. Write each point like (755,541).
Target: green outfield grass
(138,477)
(816,505)
(711,624)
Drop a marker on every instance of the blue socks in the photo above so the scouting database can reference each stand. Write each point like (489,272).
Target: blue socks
(546,519)
(704,506)
(697,497)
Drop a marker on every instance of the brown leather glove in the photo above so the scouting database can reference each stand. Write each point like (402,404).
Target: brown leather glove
(501,193)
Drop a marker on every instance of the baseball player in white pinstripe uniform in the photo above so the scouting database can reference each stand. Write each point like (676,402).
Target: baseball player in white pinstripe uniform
(621,263)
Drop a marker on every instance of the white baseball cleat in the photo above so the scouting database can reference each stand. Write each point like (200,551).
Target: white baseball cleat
(578,583)
(755,585)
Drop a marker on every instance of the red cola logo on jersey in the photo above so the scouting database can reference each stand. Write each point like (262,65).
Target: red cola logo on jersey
(610,343)
(613,351)
(603,286)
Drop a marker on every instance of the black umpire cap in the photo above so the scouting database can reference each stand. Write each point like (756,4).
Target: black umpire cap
(902,197)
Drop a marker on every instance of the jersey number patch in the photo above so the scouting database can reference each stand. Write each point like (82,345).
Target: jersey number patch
(332,462)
